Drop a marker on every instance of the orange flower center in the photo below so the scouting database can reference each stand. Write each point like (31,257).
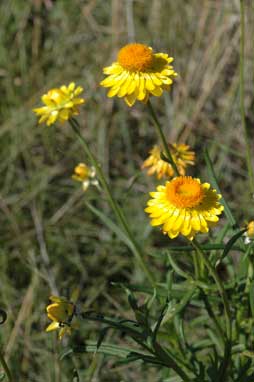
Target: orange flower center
(135,57)
(184,192)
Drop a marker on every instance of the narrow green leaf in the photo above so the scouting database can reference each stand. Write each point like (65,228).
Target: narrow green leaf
(230,243)
(102,335)
(178,308)
(176,267)
(105,348)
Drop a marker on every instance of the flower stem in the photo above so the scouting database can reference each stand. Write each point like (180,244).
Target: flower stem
(162,137)
(5,367)
(242,107)
(228,342)
(114,205)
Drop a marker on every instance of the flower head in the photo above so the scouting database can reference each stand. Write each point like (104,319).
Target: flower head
(61,312)
(61,104)
(250,229)
(249,234)
(85,174)
(184,206)
(138,73)
(180,154)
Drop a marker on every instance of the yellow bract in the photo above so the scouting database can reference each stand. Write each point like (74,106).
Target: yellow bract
(61,312)
(180,154)
(61,104)
(138,73)
(184,206)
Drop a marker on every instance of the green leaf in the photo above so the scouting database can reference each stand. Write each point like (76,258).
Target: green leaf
(177,269)
(230,243)
(102,336)
(178,308)
(105,348)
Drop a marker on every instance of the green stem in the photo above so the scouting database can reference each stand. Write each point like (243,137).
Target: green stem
(242,107)
(115,207)
(5,367)
(196,266)
(162,137)
(228,343)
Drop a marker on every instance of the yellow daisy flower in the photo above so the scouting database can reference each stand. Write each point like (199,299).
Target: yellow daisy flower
(61,312)
(184,206)
(180,154)
(138,73)
(86,175)
(61,104)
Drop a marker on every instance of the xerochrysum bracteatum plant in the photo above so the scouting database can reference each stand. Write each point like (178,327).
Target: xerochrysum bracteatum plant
(195,321)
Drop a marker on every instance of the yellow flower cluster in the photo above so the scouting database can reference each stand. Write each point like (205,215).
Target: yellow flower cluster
(181,155)
(182,205)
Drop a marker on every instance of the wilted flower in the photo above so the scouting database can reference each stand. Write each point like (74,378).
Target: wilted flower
(138,73)
(184,206)
(61,312)
(180,155)
(86,175)
(61,104)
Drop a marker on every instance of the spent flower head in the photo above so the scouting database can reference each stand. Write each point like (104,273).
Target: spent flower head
(184,206)
(61,312)
(86,175)
(60,104)
(181,155)
(138,73)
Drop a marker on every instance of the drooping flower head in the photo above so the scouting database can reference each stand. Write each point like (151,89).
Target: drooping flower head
(86,175)
(61,104)
(61,312)
(181,155)
(184,206)
(138,73)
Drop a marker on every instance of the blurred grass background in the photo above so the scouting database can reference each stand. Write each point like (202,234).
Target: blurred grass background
(50,241)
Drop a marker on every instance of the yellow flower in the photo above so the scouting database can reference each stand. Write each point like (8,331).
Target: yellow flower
(138,73)
(184,206)
(180,154)
(85,174)
(61,312)
(61,104)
